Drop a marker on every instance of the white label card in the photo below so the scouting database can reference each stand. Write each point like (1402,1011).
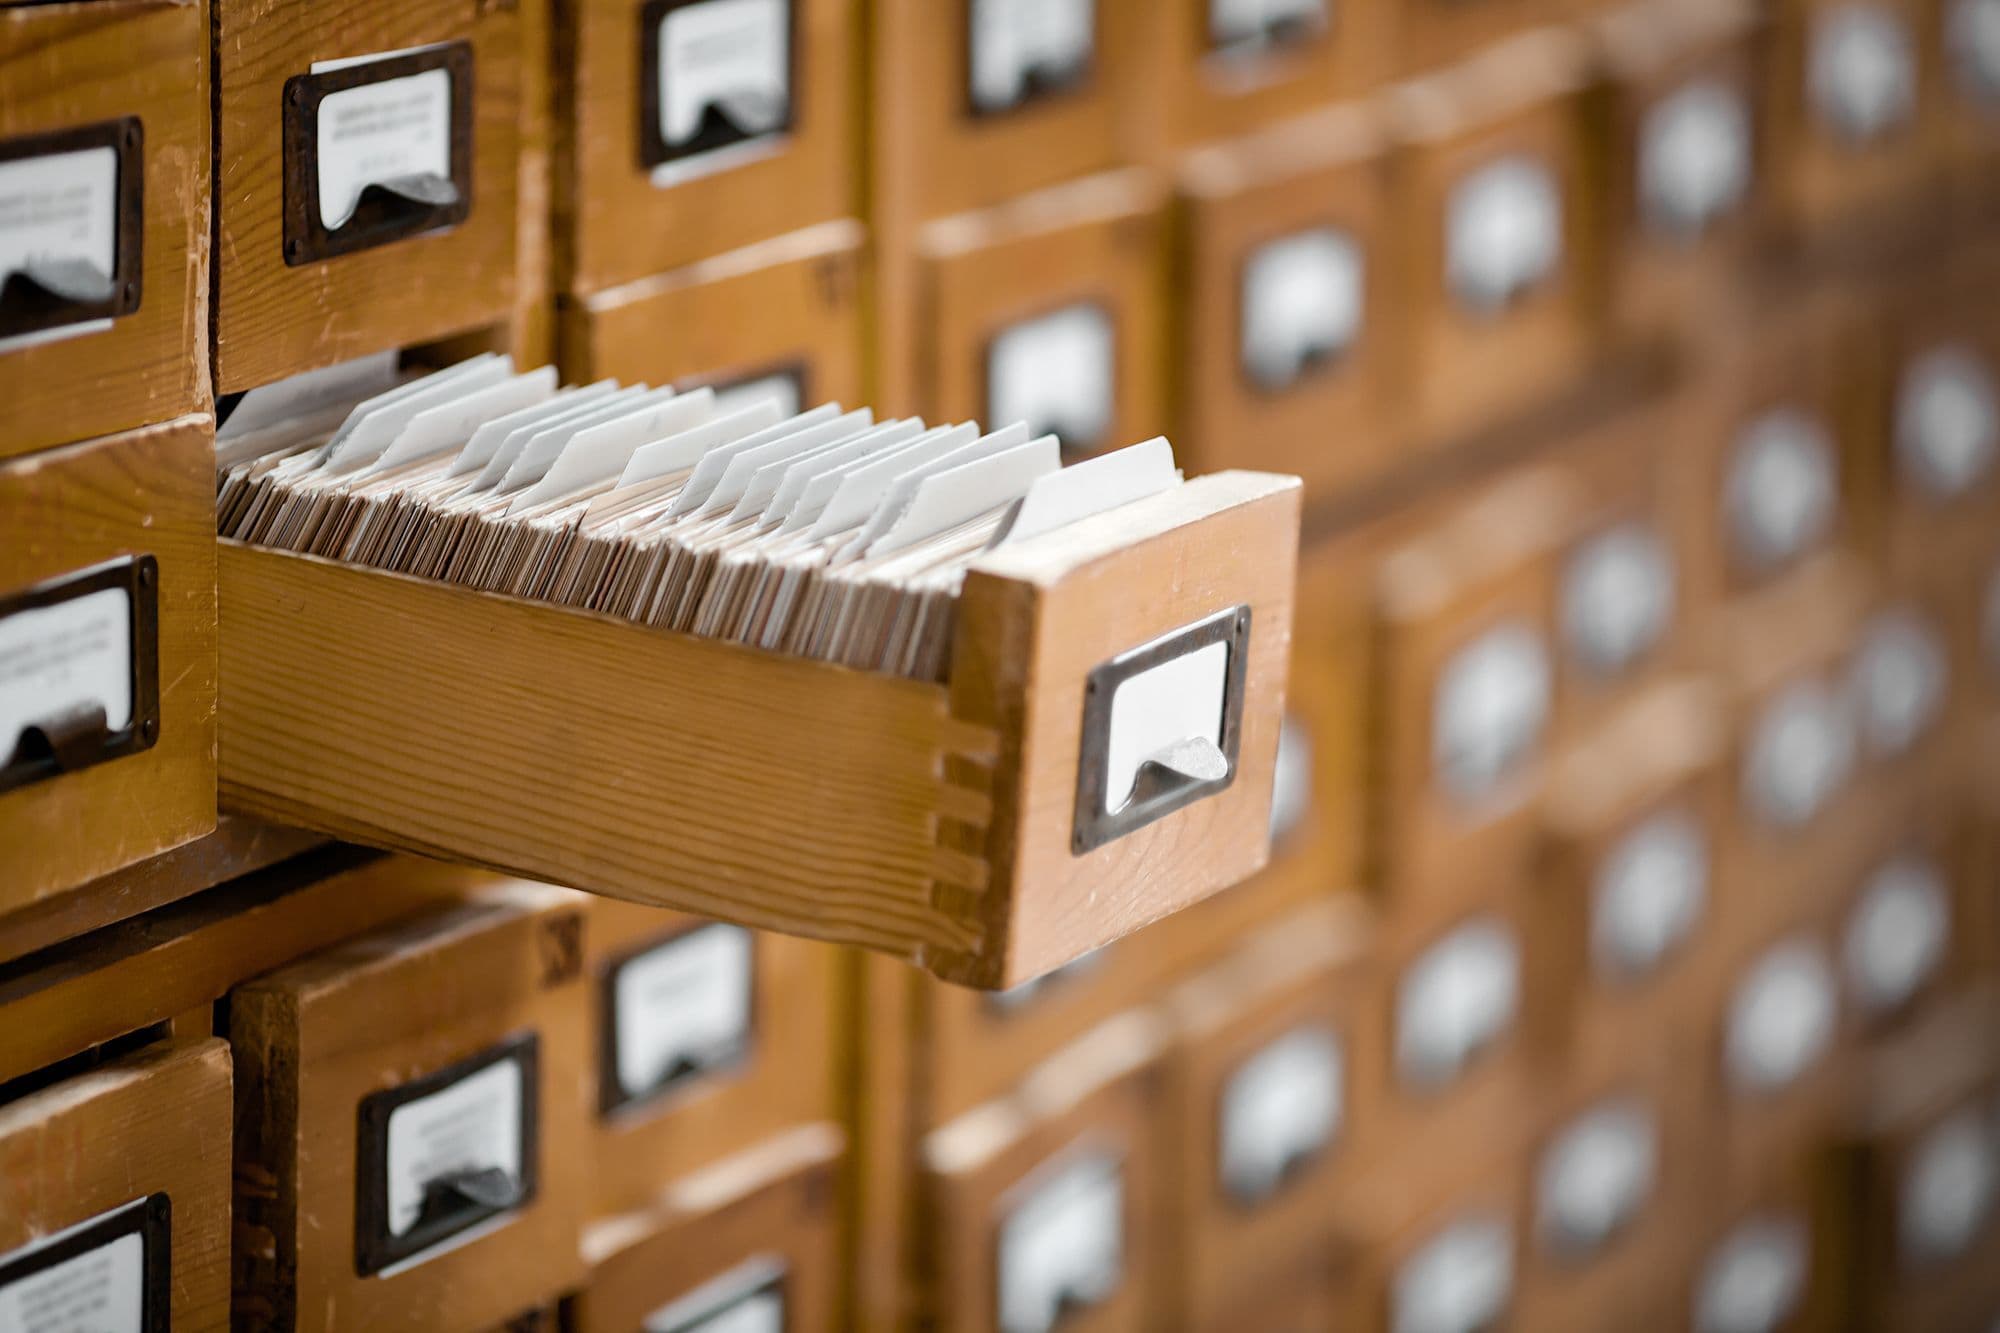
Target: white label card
(99,1289)
(379,132)
(59,658)
(471,1125)
(726,59)
(1947,421)
(1753,1280)
(1016,44)
(1063,1245)
(1162,707)
(1948,1191)
(1617,597)
(1460,1281)
(1648,894)
(1781,1018)
(1057,373)
(1455,1000)
(1302,304)
(60,206)
(682,1007)
(1802,749)
(1694,157)
(1491,707)
(1862,70)
(1503,232)
(1782,491)
(1281,1106)
(1596,1176)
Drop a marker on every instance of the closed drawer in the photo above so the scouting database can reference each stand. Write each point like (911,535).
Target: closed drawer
(1050,310)
(1498,250)
(783,317)
(732,124)
(1756,1253)
(1432,33)
(1291,319)
(749,1242)
(118,1190)
(1446,1253)
(107,610)
(106,103)
(1045,1205)
(367,158)
(710,1039)
(406,1099)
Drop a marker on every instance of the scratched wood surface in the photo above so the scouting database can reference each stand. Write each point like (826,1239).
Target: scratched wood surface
(67,65)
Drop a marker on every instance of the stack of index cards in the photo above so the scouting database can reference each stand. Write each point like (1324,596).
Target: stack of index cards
(825,533)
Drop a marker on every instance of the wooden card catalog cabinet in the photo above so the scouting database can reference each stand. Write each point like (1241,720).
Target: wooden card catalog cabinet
(736,122)
(366,165)
(1044,1209)
(107,654)
(402,1096)
(1682,156)
(782,319)
(1049,310)
(710,1038)
(1498,255)
(749,1244)
(1260,1104)
(104,188)
(961,823)
(117,1214)
(1291,321)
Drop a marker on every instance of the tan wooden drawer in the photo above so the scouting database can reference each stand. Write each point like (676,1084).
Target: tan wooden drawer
(108,566)
(1429,34)
(1046,1204)
(784,314)
(405,1099)
(1050,310)
(748,1241)
(710,1039)
(652,172)
(1756,1254)
(1445,1247)
(316,261)
(968,867)
(128,76)
(118,1187)
(1291,317)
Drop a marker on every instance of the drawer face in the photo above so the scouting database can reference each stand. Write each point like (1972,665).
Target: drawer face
(368,156)
(786,316)
(407,1172)
(735,124)
(118,1188)
(107,617)
(1290,326)
(761,1257)
(1755,1267)
(104,153)
(1059,328)
(710,1038)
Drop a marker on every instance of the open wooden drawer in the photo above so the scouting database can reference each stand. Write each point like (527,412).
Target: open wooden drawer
(961,824)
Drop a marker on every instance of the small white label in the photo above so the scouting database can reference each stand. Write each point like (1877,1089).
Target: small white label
(1946,1197)
(1898,680)
(1694,158)
(1291,778)
(1456,999)
(1596,1176)
(683,1005)
(1302,303)
(1016,42)
(749,1298)
(1972,35)
(60,207)
(472,1125)
(730,55)
(1056,373)
(1279,1107)
(1063,1245)
(379,132)
(1503,232)
(1459,1282)
(1753,1279)
(1801,753)
(1617,596)
(1159,708)
(1781,1018)
(1862,71)
(1897,935)
(101,1290)
(1247,27)
(59,658)
(1947,421)
(1782,490)
(1648,894)
(1492,705)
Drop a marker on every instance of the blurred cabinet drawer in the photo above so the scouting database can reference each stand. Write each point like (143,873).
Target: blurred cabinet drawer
(1498,252)
(367,158)
(117,1210)
(1291,318)
(734,124)
(710,1039)
(104,188)
(1043,1208)
(1443,1255)
(1050,310)
(406,1100)
(747,1244)
(108,621)
(1429,34)
(783,317)
(1756,1255)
